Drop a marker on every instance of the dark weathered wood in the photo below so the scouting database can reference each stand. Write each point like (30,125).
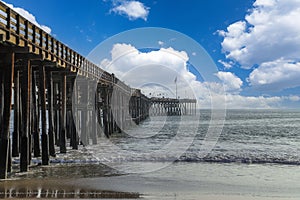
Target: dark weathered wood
(50,113)
(109,113)
(105,111)
(16,133)
(62,135)
(8,23)
(8,74)
(94,130)
(1,95)
(56,111)
(15,49)
(9,160)
(25,95)
(84,114)
(83,121)
(35,118)
(74,134)
(42,94)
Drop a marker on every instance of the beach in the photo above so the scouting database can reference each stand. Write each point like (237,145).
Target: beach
(211,181)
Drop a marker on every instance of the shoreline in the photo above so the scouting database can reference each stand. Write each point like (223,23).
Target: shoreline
(87,189)
(205,181)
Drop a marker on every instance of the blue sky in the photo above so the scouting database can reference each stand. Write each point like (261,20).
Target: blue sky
(254,43)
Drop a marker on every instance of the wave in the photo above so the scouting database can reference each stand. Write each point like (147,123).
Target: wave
(210,159)
(237,159)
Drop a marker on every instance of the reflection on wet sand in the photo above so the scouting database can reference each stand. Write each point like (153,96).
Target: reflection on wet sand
(62,193)
(57,189)
(61,181)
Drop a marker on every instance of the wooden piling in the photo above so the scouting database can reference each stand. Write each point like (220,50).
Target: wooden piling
(84,111)
(25,96)
(1,95)
(62,135)
(7,82)
(50,97)
(16,133)
(56,111)
(105,112)
(74,133)
(93,108)
(35,118)
(42,95)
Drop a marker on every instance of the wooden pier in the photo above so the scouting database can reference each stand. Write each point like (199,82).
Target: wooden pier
(170,107)
(59,97)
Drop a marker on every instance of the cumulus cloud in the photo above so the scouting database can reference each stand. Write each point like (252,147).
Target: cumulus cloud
(155,73)
(27,15)
(207,90)
(227,65)
(131,9)
(293,98)
(159,67)
(269,40)
(231,82)
(250,102)
(279,73)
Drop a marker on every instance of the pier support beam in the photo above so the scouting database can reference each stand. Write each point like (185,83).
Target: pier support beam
(25,94)
(35,117)
(104,97)
(74,133)
(42,94)
(62,135)
(50,97)
(6,84)
(16,133)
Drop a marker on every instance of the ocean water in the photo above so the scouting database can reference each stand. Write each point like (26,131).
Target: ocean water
(245,136)
(251,154)
(256,155)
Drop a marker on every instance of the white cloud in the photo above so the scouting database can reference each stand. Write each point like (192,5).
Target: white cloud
(279,74)
(266,3)
(160,43)
(154,72)
(293,98)
(207,90)
(131,9)
(231,82)
(160,67)
(227,65)
(250,102)
(268,38)
(24,13)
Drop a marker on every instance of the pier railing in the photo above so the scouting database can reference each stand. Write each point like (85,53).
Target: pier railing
(17,30)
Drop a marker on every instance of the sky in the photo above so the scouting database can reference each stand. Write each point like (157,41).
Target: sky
(251,47)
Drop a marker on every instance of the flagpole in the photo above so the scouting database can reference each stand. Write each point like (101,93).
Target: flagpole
(176,86)
(176,89)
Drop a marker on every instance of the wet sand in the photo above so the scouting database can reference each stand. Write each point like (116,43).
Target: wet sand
(59,181)
(57,189)
(193,181)
(103,188)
